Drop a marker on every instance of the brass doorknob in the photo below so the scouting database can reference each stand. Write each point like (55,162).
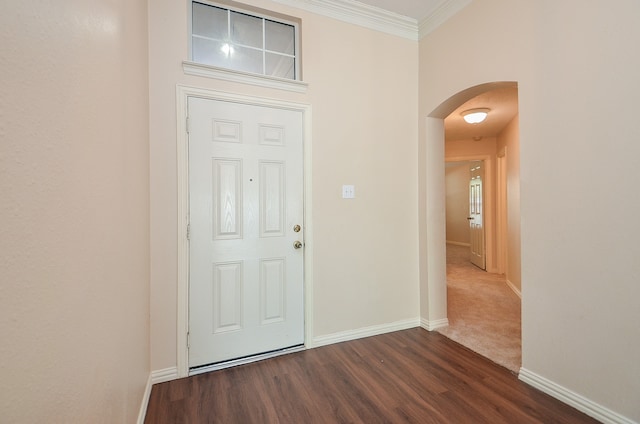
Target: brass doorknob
(296,228)
(297,244)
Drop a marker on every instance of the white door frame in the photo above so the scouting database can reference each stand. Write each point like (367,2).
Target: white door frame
(182,95)
(501,211)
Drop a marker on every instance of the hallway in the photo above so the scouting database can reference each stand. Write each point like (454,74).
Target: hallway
(484,313)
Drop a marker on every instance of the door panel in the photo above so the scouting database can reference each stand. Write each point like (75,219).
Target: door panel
(245,197)
(227,189)
(272,199)
(272,290)
(476,208)
(227,294)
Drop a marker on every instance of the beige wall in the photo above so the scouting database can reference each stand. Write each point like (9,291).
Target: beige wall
(364,132)
(578,90)
(74,239)
(508,141)
(457,202)
(75,166)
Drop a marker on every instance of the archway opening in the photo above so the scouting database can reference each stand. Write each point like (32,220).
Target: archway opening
(500,245)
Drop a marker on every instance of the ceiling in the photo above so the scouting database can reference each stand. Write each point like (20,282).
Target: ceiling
(416,9)
(503,105)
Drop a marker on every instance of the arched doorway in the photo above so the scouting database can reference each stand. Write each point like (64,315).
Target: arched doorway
(432,216)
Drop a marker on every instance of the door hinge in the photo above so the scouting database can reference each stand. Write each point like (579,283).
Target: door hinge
(188,231)
(187,123)
(188,341)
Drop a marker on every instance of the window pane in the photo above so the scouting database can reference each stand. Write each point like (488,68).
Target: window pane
(235,40)
(209,21)
(280,66)
(246,30)
(279,37)
(210,52)
(246,59)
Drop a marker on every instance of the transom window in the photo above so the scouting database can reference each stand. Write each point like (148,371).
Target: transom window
(240,41)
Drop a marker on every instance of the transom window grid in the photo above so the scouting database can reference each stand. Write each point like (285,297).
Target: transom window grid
(236,40)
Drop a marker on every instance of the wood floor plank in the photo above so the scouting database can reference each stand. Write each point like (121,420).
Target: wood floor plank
(410,376)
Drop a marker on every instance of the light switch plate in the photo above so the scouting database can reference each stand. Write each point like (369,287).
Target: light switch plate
(348,192)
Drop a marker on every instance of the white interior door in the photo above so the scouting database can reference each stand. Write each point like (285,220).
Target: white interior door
(245,230)
(476,223)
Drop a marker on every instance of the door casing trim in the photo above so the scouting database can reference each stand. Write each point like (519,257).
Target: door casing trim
(182,94)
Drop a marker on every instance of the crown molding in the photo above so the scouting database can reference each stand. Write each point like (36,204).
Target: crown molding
(439,16)
(357,13)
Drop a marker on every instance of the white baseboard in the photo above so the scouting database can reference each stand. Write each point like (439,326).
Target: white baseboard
(433,325)
(145,401)
(359,333)
(161,376)
(579,402)
(459,243)
(515,289)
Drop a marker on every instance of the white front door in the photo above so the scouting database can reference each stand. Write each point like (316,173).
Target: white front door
(476,224)
(245,230)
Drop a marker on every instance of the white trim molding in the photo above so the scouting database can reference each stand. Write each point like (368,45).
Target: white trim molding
(433,325)
(359,333)
(145,402)
(182,94)
(201,70)
(515,289)
(378,19)
(155,377)
(439,16)
(161,376)
(459,243)
(364,15)
(569,397)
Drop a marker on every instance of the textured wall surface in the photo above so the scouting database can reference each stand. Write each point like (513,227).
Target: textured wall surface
(74,255)
(578,89)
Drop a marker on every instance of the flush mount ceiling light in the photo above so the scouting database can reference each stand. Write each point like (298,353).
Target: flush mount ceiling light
(475,116)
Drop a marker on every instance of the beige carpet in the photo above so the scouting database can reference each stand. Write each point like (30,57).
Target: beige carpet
(484,313)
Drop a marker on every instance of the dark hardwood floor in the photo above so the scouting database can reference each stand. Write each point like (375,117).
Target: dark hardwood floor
(410,376)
